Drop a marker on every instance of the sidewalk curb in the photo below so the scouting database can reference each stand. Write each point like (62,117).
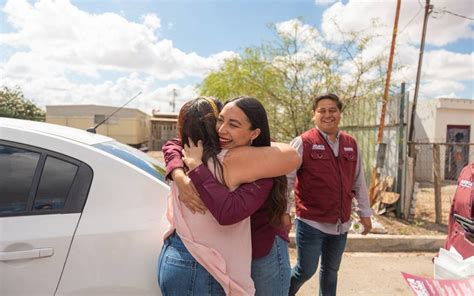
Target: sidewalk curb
(389,243)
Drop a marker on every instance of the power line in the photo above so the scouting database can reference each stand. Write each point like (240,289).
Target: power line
(455,14)
(419,10)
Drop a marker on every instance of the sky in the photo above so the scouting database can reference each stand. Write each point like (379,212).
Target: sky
(104,52)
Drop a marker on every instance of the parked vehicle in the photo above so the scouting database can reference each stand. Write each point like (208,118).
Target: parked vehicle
(80,213)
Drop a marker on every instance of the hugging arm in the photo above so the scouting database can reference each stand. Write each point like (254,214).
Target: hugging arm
(247,164)
(172,152)
(229,207)
(188,195)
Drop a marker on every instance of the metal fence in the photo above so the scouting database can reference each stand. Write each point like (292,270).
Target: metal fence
(450,158)
(362,121)
(437,163)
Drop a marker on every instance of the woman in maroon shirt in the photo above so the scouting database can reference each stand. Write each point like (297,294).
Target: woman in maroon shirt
(243,121)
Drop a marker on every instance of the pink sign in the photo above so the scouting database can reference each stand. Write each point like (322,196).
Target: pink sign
(423,286)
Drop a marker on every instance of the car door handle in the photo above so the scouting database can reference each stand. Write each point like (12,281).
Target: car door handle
(29,254)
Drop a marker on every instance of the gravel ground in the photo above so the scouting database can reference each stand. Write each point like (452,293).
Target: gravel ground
(373,273)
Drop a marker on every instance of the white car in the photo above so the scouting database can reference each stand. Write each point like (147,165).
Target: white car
(80,213)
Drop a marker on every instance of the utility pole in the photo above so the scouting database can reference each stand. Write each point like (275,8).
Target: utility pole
(381,147)
(173,102)
(411,148)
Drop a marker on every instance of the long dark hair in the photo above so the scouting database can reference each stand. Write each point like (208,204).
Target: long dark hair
(257,116)
(197,121)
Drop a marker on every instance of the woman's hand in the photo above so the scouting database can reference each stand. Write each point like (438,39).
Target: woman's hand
(193,154)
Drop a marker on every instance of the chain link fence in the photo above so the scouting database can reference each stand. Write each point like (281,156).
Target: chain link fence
(438,165)
(449,158)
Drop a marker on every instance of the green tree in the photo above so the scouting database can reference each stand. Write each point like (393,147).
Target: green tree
(14,104)
(299,64)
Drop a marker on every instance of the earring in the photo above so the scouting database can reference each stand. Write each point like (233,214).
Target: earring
(251,140)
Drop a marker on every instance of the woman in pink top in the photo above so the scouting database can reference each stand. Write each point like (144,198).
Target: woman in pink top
(200,256)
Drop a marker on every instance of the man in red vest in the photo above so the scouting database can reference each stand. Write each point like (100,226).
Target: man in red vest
(330,176)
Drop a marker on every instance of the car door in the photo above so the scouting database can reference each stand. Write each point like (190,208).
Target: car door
(42,194)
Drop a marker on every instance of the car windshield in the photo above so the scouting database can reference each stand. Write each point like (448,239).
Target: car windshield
(135,157)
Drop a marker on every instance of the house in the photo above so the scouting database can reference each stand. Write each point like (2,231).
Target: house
(129,126)
(163,128)
(446,121)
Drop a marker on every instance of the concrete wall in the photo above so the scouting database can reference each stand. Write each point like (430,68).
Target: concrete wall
(453,112)
(128,126)
(425,122)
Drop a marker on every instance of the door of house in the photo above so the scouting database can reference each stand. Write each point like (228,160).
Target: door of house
(457,156)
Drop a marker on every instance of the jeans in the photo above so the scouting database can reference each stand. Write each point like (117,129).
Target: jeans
(180,274)
(310,245)
(271,274)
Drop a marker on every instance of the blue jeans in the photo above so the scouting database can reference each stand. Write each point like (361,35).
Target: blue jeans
(271,274)
(310,245)
(180,274)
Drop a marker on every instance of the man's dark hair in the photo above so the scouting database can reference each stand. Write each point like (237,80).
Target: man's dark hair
(329,96)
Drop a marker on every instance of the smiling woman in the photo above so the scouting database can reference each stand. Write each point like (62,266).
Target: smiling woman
(234,127)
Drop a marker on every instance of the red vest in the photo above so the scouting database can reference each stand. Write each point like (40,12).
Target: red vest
(323,185)
(463,205)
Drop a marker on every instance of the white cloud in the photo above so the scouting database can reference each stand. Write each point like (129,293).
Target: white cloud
(443,71)
(359,15)
(59,33)
(439,89)
(61,91)
(309,40)
(437,64)
(442,64)
(151,21)
(55,42)
(308,37)
(296,27)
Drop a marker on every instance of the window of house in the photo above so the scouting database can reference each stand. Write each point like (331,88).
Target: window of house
(98,118)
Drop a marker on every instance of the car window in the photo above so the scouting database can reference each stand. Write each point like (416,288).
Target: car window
(135,157)
(55,183)
(17,170)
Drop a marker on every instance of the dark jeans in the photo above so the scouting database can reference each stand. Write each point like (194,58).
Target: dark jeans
(310,245)
(271,274)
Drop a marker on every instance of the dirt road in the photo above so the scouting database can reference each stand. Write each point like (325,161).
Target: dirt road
(374,273)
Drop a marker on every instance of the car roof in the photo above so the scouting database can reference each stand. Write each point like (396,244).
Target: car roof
(66,132)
